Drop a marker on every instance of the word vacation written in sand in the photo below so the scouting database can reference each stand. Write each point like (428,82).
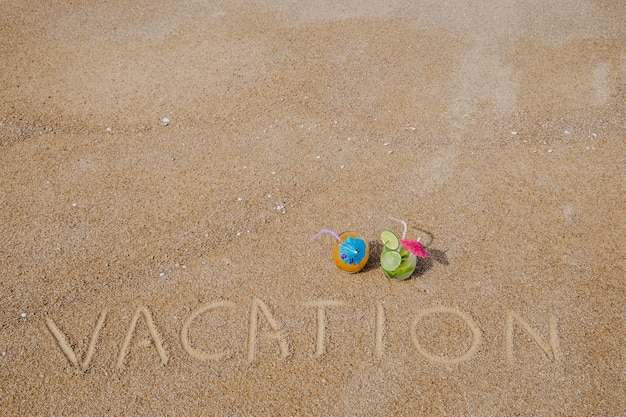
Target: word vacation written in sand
(263,326)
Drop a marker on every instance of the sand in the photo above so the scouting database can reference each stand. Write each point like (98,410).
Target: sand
(165,269)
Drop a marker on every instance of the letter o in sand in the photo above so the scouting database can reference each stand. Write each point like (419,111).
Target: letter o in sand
(476,334)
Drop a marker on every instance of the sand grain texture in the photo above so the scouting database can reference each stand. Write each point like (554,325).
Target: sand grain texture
(167,270)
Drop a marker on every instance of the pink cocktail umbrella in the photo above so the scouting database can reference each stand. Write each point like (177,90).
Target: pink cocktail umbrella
(413,246)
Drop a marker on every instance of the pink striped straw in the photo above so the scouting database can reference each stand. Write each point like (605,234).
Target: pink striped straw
(315,236)
(403,223)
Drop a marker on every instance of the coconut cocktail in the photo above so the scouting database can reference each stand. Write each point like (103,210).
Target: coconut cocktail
(350,252)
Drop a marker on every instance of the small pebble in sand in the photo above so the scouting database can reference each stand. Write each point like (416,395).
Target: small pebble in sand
(166,121)
(109,129)
(24,315)
(162,274)
(74,204)
(513,132)
(239,198)
(281,208)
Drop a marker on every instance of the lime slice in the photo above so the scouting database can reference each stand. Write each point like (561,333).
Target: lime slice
(389,274)
(404,253)
(406,268)
(407,265)
(403,276)
(390,260)
(390,240)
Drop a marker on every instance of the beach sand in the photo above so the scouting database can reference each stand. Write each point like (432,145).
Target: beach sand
(164,268)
